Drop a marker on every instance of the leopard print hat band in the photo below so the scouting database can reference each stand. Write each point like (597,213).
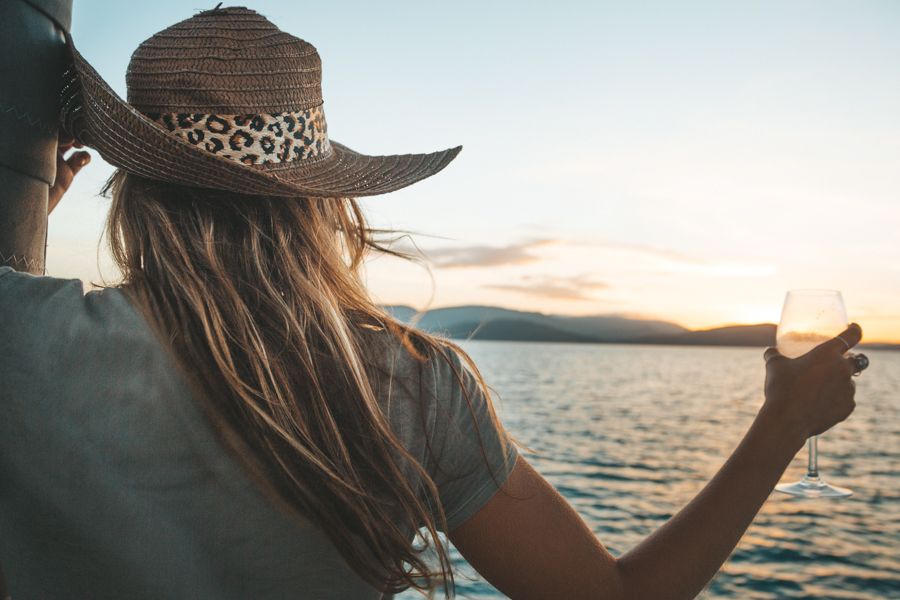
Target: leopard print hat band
(253,138)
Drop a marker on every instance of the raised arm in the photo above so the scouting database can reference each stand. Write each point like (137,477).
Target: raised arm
(536,546)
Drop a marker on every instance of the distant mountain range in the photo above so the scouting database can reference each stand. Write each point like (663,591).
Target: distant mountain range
(495,323)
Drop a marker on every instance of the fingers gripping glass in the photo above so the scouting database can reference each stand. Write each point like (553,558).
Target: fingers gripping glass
(808,318)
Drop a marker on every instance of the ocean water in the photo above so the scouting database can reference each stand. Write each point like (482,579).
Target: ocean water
(628,434)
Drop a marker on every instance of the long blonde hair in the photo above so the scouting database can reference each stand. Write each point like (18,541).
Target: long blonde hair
(261,302)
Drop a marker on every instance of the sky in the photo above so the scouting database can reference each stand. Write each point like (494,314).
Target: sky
(685,161)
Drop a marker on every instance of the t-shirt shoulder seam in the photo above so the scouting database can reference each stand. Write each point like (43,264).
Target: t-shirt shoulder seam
(511,456)
(442,360)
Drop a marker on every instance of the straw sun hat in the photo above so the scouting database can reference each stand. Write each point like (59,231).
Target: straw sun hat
(226,100)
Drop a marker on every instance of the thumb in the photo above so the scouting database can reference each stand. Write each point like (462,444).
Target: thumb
(772,353)
(839,344)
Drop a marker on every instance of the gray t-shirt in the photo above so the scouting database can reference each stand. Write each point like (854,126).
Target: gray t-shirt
(114,485)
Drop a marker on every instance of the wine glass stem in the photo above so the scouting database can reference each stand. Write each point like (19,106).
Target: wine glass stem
(812,467)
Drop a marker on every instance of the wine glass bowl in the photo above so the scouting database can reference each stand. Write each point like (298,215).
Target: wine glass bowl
(808,318)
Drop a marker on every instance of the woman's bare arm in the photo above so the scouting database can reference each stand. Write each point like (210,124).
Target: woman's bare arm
(541,548)
(537,546)
(679,558)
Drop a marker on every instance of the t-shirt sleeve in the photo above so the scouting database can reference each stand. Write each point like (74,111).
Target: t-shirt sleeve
(465,478)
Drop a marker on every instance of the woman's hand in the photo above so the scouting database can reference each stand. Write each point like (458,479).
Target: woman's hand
(66,168)
(812,393)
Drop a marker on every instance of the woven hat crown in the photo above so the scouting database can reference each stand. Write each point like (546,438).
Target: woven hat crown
(224,61)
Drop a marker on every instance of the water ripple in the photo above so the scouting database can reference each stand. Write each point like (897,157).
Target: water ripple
(628,434)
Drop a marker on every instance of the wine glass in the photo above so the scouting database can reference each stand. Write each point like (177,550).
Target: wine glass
(808,318)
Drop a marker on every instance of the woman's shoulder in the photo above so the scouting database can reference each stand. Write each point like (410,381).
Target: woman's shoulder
(429,365)
(26,299)
(42,305)
(28,291)
(21,284)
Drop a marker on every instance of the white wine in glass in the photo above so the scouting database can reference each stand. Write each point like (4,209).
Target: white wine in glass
(808,318)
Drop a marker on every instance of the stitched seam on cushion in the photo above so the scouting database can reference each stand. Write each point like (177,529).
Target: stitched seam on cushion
(24,115)
(14,259)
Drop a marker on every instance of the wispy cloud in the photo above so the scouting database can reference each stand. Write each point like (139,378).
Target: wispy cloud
(522,253)
(557,288)
(675,262)
(487,256)
(657,252)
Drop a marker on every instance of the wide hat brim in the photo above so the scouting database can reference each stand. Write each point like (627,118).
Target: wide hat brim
(126,138)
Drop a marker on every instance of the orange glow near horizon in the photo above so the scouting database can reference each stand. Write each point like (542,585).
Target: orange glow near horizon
(559,279)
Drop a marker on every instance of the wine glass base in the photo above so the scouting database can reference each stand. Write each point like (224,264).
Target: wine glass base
(813,487)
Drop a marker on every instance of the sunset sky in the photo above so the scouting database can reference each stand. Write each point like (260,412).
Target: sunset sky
(686,161)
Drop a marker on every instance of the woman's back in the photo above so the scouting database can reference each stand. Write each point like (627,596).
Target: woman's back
(113,483)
